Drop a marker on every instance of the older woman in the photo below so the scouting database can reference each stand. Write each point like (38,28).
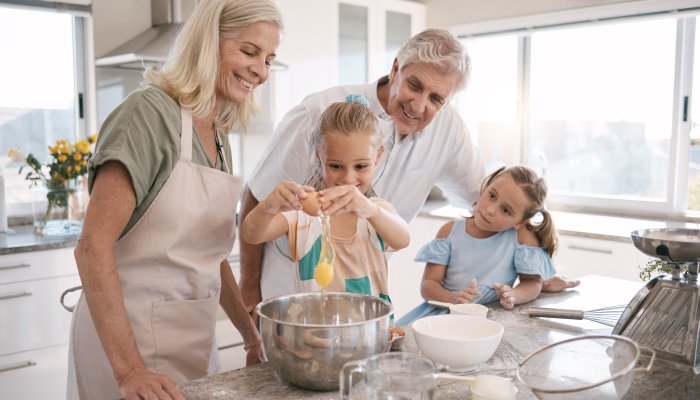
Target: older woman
(161,221)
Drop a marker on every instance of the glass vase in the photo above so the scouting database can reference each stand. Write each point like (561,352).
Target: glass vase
(59,212)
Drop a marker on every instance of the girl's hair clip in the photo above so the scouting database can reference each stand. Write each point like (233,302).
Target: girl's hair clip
(542,211)
(357,98)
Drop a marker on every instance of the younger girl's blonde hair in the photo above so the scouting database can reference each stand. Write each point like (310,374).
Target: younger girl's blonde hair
(191,71)
(535,188)
(343,119)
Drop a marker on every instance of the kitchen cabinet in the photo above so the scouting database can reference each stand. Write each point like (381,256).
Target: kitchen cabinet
(35,329)
(580,256)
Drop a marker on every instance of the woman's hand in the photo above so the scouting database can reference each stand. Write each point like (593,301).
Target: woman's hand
(505,293)
(285,198)
(255,355)
(466,295)
(144,384)
(347,199)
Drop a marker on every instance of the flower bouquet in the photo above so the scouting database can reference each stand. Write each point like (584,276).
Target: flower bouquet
(65,205)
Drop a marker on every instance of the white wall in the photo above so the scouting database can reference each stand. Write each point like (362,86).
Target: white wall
(443,13)
(117,22)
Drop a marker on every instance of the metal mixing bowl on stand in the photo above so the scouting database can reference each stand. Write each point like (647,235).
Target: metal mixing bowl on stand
(308,349)
(665,314)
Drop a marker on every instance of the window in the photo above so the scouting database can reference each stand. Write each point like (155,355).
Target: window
(694,151)
(600,109)
(39,100)
(489,105)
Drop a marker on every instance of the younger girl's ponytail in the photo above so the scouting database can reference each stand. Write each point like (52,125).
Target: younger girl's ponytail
(546,233)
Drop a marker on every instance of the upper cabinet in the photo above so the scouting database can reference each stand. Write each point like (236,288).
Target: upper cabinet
(330,42)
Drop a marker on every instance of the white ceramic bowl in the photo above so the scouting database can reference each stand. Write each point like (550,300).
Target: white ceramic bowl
(460,342)
(474,310)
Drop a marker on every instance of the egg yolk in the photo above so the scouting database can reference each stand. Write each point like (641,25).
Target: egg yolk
(323,274)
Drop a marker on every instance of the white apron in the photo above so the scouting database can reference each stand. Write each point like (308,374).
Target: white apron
(168,266)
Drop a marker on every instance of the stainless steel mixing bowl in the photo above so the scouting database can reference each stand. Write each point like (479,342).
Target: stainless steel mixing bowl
(309,349)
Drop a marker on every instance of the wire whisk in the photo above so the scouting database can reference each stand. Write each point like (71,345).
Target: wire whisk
(606,316)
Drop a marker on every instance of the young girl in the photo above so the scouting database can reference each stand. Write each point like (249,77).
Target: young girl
(478,259)
(345,148)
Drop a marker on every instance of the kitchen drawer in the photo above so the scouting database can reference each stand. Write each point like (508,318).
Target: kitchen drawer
(581,256)
(39,374)
(37,265)
(32,316)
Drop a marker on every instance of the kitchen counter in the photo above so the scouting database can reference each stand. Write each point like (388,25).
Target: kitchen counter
(23,239)
(522,335)
(573,224)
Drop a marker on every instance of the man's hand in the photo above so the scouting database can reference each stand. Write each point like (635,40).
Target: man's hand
(505,293)
(557,283)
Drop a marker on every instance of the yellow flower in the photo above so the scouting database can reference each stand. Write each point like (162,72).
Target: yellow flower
(58,177)
(65,149)
(53,149)
(62,158)
(83,163)
(77,156)
(93,138)
(68,168)
(85,150)
(12,150)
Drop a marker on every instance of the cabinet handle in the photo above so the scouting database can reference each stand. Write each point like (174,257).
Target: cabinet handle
(18,366)
(593,249)
(15,266)
(12,296)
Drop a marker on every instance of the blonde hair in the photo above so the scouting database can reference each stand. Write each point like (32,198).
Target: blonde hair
(535,188)
(439,48)
(343,119)
(191,71)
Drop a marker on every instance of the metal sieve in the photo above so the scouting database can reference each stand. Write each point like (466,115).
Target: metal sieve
(588,367)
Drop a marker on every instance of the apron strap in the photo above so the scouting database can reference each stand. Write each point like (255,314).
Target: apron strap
(186,135)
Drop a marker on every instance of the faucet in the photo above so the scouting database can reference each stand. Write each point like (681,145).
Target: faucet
(537,154)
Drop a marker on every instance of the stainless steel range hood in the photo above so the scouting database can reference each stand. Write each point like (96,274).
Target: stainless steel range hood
(151,47)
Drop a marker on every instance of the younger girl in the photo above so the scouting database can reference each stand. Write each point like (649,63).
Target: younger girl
(481,256)
(345,148)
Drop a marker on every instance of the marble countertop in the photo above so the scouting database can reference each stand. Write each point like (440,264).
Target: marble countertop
(522,336)
(573,224)
(22,239)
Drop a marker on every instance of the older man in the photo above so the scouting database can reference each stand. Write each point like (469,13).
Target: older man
(426,144)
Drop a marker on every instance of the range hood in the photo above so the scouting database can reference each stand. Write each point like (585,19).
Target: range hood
(151,47)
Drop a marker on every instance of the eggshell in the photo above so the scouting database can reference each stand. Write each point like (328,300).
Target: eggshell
(310,204)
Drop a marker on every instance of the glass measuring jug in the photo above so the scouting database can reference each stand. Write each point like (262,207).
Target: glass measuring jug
(391,376)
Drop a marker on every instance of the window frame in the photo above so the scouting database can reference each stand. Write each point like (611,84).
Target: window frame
(679,146)
(83,71)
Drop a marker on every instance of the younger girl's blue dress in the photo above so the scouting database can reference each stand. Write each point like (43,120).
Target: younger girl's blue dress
(497,259)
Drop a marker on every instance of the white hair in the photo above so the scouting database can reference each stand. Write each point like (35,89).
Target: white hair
(191,71)
(441,49)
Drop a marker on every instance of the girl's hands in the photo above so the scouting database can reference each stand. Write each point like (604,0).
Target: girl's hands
(285,197)
(347,199)
(505,293)
(466,295)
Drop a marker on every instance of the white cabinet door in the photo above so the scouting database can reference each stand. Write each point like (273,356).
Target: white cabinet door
(39,374)
(581,256)
(37,265)
(32,316)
